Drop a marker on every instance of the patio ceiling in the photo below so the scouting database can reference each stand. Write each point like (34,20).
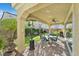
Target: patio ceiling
(53,11)
(46,12)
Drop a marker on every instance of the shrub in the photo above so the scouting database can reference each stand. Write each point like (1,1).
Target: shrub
(8,24)
(2,43)
(7,30)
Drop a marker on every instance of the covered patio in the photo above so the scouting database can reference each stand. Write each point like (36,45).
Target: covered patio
(51,14)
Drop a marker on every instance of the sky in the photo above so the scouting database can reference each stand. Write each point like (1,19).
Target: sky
(6,7)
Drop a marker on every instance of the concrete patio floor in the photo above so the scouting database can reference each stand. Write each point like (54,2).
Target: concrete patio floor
(54,49)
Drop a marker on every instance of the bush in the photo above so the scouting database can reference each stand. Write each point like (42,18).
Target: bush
(27,40)
(69,33)
(7,30)
(2,43)
(8,24)
(55,33)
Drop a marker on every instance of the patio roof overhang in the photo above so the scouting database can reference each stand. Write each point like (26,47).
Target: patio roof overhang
(45,12)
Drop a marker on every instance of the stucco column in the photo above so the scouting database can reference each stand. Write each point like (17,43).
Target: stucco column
(49,29)
(75,29)
(65,30)
(20,42)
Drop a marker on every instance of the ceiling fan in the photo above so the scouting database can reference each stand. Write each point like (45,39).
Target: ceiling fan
(54,20)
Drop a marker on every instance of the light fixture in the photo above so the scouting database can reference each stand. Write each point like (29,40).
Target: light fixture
(54,20)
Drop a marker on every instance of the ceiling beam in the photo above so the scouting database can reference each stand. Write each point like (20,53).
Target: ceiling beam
(38,7)
(37,19)
(69,13)
(23,11)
